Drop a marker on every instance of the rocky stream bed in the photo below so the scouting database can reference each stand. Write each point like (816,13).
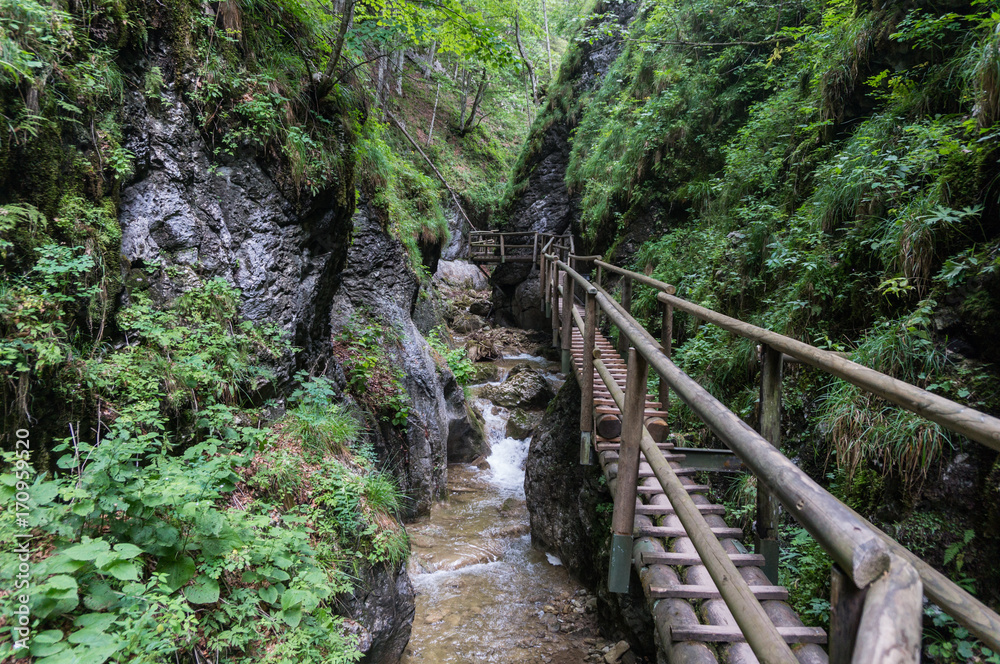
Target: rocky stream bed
(484,593)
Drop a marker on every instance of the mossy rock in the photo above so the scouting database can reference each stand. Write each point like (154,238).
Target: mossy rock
(522,423)
(524,387)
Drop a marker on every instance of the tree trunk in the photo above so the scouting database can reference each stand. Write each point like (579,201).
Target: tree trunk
(548,46)
(470,123)
(430,132)
(345,24)
(465,97)
(399,72)
(430,59)
(524,58)
(380,84)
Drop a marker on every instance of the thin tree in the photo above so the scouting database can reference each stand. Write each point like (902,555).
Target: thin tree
(430,132)
(524,58)
(548,46)
(480,91)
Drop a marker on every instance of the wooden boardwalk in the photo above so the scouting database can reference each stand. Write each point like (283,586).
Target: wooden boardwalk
(692,622)
(711,601)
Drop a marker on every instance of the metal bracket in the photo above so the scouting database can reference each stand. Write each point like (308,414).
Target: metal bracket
(620,569)
(586,449)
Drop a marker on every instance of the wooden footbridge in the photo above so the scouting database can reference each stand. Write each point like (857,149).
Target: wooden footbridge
(711,600)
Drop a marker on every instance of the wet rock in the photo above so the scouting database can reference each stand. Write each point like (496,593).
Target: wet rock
(524,387)
(458,238)
(465,322)
(383,604)
(522,423)
(186,218)
(615,654)
(461,274)
(563,499)
(363,636)
(377,280)
(481,308)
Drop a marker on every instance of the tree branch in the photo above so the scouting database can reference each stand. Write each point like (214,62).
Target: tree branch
(661,42)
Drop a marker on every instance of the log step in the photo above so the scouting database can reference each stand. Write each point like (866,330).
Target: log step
(643,474)
(606,447)
(726,634)
(779,593)
(605,410)
(642,456)
(677,531)
(667,509)
(690,488)
(687,560)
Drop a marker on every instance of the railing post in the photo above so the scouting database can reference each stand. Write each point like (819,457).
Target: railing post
(846,603)
(567,323)
(534,250)
(766,532)
(666,340)
(503,256)
(543,286)
(627,305)
(623,519)
(587,382)
(891,621)
(554,298)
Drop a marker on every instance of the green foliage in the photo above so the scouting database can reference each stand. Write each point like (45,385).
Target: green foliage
(805,571)
(457,359)
(321,426)
(412,203)
(373,378)
(149,546)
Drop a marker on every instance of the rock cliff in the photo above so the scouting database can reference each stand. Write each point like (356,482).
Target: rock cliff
(575,520)
(544,203)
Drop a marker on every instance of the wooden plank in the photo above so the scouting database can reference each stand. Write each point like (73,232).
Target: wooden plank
(647,413)
(727,634)
(677,531)
(779,593)
(689,559)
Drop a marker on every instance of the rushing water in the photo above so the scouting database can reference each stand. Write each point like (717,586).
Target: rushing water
(483,593)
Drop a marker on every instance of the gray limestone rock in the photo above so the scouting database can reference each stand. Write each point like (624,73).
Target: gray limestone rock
(524,387)
(185,219)
(377,281)
(461,274)
(522,423)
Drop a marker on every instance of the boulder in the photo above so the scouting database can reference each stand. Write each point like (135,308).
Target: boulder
(461,274)
(464,322)
(524,387)
(481,307)
(522,423)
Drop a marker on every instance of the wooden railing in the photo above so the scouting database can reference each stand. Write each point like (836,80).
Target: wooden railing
(874,577)
(487,247)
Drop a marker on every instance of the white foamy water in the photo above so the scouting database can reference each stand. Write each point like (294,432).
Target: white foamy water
(507,455)
(507,466)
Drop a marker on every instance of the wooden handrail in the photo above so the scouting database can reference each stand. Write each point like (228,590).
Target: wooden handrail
(858,550)
(641,278)
(961,419)
(872,559)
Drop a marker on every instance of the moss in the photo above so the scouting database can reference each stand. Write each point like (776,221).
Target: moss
(39,180)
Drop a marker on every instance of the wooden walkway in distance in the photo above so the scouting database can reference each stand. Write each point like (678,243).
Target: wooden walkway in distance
(693,623)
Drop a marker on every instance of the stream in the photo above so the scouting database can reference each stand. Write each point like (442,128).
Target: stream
(484,594)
